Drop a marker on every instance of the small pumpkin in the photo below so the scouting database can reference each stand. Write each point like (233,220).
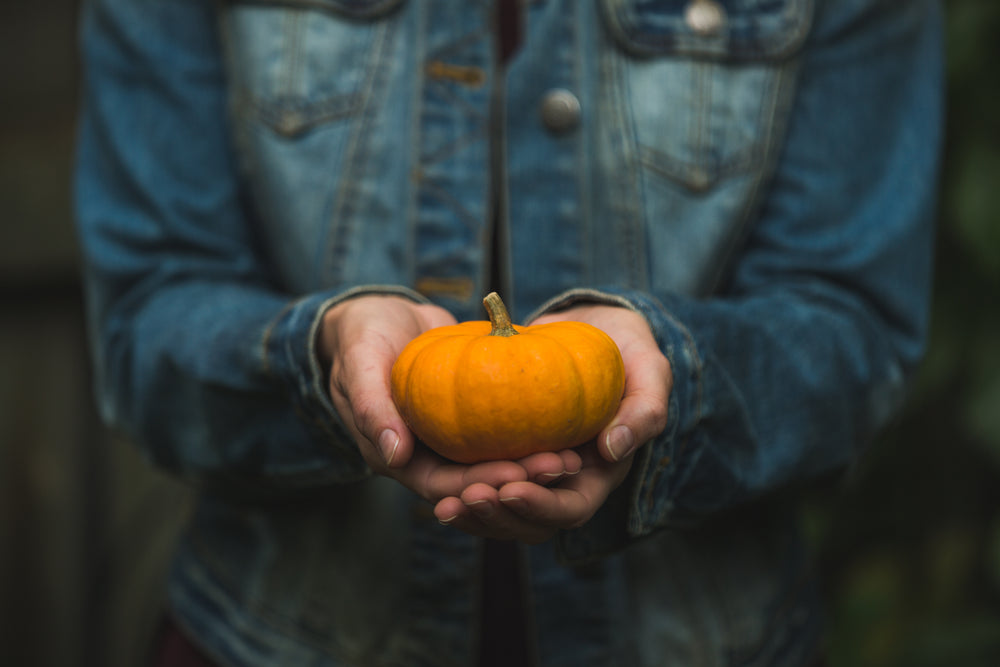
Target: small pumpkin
(480,391)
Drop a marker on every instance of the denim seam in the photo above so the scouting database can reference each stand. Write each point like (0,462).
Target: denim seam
(628,188)
(311,113)
(452,202)
(667,469)
(341,221)
(780,92)
(444,89)
(265,340)
(663,164)
(292,42)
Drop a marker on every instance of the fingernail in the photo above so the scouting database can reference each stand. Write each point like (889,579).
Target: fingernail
(512,499)
(620,442)
(447,522)
(388,441)
(482,508)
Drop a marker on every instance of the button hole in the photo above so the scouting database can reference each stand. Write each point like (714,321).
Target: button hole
(466,75)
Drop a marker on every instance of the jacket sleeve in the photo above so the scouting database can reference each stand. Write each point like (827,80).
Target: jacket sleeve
(790,369)
(198,356)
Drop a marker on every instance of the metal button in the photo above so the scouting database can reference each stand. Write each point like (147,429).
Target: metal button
(290,123)
(560,110)
(705,17)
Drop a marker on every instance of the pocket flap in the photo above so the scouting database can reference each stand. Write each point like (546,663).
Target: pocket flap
(744,30)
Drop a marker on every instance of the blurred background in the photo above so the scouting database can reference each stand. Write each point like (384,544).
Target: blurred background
(909,546)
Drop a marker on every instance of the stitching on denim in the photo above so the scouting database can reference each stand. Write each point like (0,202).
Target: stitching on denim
(681,445)
(775,107)
(471,76)
(625,209)
(265,340)
(453,147)
(662,163)
(698,174)
(292,44)
(702,108)
(583,155)
(341,221)
(412,207)
(445,89)
(276,112)
(470,220)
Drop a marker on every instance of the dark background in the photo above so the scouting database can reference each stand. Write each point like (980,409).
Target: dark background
(909,546)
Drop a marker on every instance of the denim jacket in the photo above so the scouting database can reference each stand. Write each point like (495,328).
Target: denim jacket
(755,177)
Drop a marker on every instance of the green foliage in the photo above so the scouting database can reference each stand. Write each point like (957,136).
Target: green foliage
(910,554)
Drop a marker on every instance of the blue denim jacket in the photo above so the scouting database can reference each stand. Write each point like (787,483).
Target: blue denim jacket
(755,177)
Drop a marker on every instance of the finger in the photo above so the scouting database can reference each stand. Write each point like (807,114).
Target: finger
(550,467)
(557,508)
(361,379)
(642,414)
(572,463)
(432,477)
(448,509)
(482,514)
(479,513)
(573,502)
(453,478)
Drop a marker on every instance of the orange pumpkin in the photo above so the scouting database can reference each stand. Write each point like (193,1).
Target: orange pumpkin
(480,391)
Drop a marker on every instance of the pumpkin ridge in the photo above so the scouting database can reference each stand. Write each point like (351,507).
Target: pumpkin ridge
(461,366)
(418,379)
(591,346)
(579,412)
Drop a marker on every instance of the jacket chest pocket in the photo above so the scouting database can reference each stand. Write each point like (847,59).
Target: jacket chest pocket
(304,75)
(297,64)
(706,80)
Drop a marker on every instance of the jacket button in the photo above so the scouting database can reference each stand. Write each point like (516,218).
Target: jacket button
(560,110)
(289,123)
(705,17)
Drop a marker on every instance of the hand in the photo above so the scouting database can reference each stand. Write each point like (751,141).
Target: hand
(360,339)
(532,513)
(529,511)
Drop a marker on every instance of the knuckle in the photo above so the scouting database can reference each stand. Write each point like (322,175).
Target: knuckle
(658,415)
(652,414)
(366,413)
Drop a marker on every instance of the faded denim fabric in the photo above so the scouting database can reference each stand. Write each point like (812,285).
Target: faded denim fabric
(762,191)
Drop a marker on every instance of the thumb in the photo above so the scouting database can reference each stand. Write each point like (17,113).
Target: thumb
(377,424)
(642,414)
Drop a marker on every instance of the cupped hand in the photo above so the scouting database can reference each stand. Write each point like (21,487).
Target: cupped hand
(642,414)
(359,340)
(532,513)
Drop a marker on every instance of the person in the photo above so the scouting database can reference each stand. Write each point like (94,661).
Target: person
(274,197)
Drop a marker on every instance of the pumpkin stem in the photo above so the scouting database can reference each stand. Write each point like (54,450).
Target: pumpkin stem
(499,317)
